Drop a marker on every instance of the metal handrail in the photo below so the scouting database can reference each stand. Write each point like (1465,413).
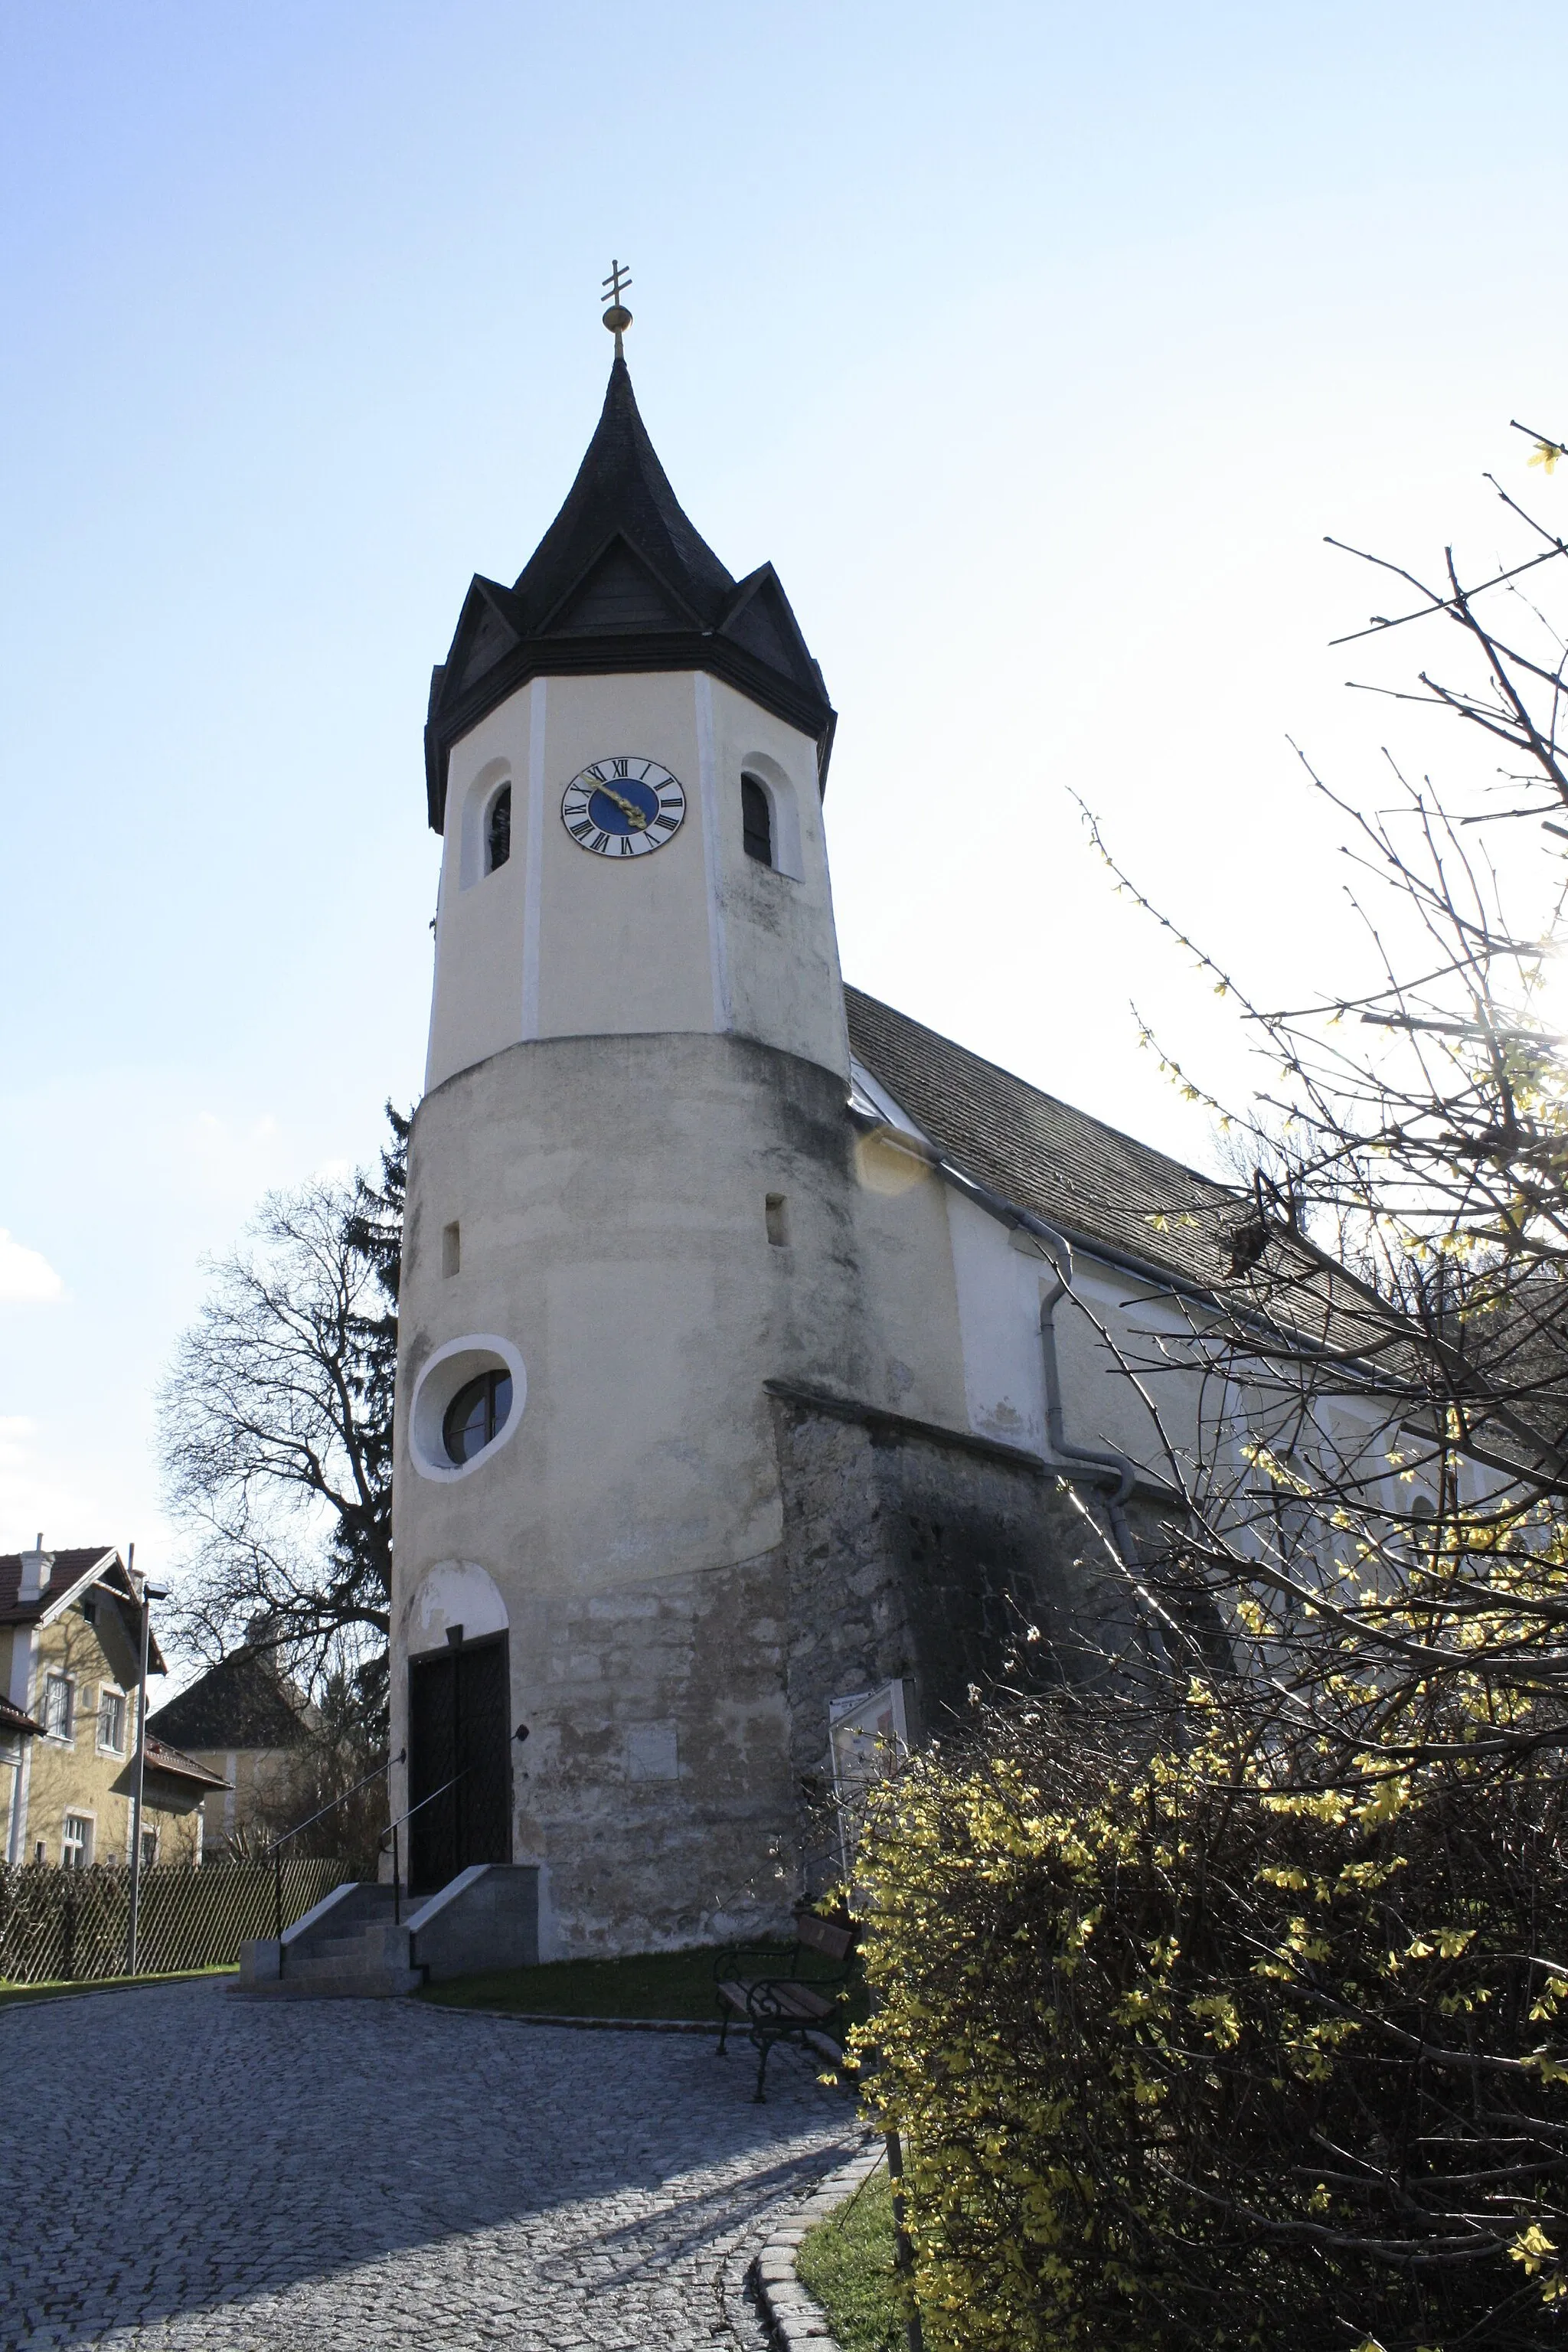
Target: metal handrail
(311,1819)
(393,1827)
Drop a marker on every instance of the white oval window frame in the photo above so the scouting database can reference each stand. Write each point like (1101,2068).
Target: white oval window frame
(449,1369)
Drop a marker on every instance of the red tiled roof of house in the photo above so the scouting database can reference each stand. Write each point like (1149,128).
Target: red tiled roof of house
(72,1565)
(162,1757)
(68,1567)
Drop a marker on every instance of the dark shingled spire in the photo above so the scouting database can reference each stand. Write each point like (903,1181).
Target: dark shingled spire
(621,490)
(622,581)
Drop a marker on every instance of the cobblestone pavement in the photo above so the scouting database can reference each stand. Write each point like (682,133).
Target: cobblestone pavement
(180,2172)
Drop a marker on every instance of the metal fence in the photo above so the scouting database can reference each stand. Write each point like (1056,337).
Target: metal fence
(58,1924)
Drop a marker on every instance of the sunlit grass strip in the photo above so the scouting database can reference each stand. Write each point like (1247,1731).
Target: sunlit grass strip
(846,2262)
(11,1994)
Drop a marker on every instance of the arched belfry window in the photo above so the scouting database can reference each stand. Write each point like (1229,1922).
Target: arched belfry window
(757,820)
(497,830)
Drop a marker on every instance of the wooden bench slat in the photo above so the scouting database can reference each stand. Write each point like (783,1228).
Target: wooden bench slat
(796,2000)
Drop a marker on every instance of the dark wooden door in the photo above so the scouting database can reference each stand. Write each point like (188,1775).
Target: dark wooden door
(458,1733)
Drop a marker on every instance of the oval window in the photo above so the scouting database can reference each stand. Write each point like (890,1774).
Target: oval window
(475,1415)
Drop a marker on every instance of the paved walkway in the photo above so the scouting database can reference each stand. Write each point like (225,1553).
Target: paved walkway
(193,2174)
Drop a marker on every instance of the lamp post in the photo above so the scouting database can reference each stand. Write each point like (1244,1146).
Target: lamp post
(150,1592)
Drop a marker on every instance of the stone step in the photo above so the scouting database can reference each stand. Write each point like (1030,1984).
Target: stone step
(312,1968)
(349,1944)
(343,1984)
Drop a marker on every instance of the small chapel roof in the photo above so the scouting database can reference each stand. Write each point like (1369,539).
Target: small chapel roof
(622,581)
(242,1702)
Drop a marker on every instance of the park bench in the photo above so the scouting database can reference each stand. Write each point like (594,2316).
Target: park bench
(761,1986)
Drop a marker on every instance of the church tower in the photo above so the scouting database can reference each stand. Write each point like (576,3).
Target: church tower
(630,1205)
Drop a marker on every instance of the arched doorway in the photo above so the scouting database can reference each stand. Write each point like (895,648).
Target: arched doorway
(459,1726)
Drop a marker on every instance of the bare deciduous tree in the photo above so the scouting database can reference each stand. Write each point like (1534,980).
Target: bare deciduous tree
(1395,1306)
(276,1432)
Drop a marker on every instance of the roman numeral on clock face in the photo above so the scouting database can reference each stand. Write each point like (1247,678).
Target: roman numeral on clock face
(622,806)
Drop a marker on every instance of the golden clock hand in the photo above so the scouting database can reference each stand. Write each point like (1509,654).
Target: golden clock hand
(628,808)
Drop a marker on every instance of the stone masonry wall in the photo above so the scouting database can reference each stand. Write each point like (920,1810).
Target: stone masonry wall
(914,1553)
(654,1785)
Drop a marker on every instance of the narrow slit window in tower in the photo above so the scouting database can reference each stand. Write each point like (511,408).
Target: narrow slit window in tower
(774,1209)
(497,830)
(756,821)
(451,1249)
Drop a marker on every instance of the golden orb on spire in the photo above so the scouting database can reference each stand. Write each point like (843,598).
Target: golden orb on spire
(617,317)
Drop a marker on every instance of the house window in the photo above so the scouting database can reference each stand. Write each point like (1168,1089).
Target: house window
(451,1250)
(149,1848)
(475,1415)
(756,821)
(112,1721)
(497,830)
(58,1707)
(76,1841)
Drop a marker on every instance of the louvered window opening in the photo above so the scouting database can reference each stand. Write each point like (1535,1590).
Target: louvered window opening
(756,821)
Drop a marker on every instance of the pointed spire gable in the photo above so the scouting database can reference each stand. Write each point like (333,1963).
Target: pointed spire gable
(758,616)
(487,629)
(621,591)
(622,581)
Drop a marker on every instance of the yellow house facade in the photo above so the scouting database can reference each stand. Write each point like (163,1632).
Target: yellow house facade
(69,1639)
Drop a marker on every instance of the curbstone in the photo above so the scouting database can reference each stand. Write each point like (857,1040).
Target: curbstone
(794,2319)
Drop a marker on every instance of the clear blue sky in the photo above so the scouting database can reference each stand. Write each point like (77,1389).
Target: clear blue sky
(1038,347)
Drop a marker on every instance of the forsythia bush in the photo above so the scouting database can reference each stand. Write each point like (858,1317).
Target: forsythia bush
(1191,2053)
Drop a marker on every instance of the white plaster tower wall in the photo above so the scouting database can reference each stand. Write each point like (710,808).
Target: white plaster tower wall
(700,938)
(612,1199)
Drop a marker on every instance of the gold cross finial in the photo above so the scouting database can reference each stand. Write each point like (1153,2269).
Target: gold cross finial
(617,317)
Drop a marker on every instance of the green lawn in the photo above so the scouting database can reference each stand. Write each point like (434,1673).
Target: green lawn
(846,2262)
(643,1984)
(54,1989)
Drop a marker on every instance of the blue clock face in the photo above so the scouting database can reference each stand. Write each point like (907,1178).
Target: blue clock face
(623,807)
